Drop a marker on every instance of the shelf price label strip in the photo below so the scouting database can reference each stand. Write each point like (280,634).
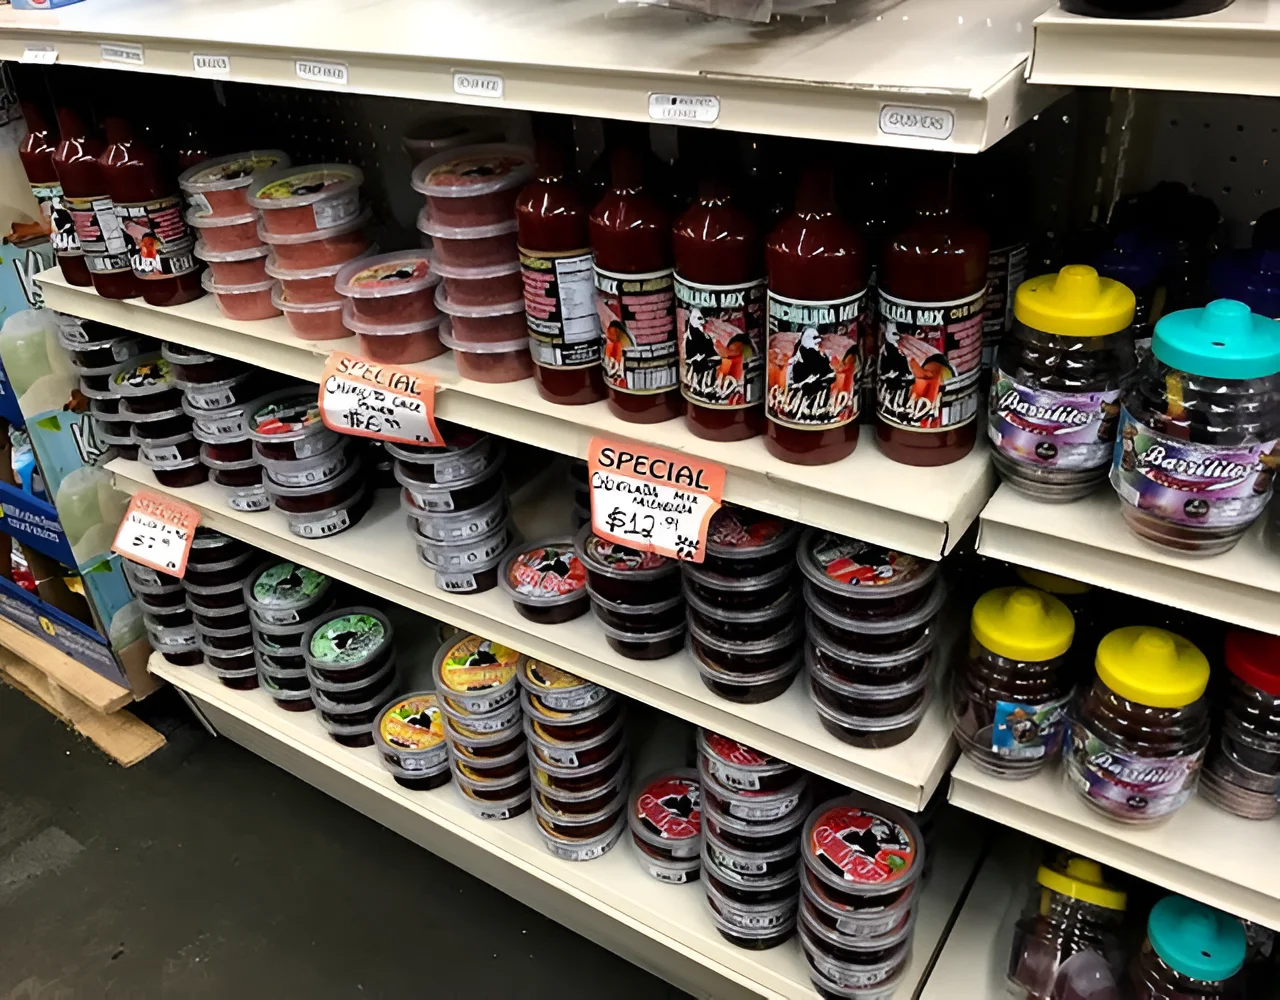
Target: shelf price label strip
(652,499)
(378,401)
(157,532)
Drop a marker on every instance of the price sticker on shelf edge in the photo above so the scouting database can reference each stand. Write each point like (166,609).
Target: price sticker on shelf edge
(652,499)
(373,400)
(157,532)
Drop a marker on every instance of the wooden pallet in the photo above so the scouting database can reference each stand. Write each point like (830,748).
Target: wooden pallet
(83,699)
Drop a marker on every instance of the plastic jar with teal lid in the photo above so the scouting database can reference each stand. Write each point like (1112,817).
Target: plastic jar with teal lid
(1137,737)
(1009,697)
(1192,952)
(1198,431)
(1055,393)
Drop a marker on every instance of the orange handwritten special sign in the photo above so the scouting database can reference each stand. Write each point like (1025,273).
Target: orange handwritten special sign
(157,532)
(368,399)
(653,499)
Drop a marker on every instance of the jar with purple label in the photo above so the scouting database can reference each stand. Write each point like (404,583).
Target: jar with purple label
(1055,394)
(1199,429)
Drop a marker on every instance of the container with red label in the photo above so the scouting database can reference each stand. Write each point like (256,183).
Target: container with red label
(862,580)
(862,853)
(745,543)
(736,765)
(218,187)
(307,199)
(666,824)
(547,581)
(392,289)
(473,186)
(626,575)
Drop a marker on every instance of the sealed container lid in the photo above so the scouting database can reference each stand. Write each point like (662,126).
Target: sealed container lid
(1152,667)
(1082,878)
(352,469)
(280,299)
(666,811)
(558,688)
(386,276)
(920,648)
(144,375)
(735,764)
(195,217)
(412,723)
(1255,658)
(464,453)
(1223,340)
(739,533)
(544,712)
(276,270)
(481,347)
(357,325)
(620,561)
(425,225)
(1196,940)
(283,587)
(721,581)
(472,665)
(787,635)
(347,638)
(473,170)
(209,285)
(181,354)
(1075,302)
(818,608)
(477,312)
(854,568)
(284,415)
(894,939)
(1051,583)
(226,256)
(329,232)
(1019,623)
(294,187)
(862,846)
(543,573)
(472,273)
(226,173)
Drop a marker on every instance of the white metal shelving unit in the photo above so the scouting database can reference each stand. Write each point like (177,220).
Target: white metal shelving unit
(378,556)
(1201,851)
(929,74)
(611,900)
(921,511)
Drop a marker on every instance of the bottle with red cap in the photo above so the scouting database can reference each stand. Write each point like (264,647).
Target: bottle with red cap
(1243,772)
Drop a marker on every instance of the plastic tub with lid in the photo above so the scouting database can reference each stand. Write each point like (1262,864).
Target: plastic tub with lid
(870,636)
(468,554)
(109,353)
(491,361)
(465,454)
(738,593)
(747,543)
(736,765)
(878,669)
(873,701)
(251,301)
(473,186)
(310,320)
(333,518)
(146,385)
(572,725)
(872,732)
(289,700)
(655,645)
(310,471)
(546,581)
(282,592)
(306,199)
(516,805)
(485,287)
(862,580)
(226,233)
(861,852)
(315,496)
(348,645)
(577,848)
(856,962)
(496,323)
(654,617)
(307,251)
(559,689)
(230,268)
(191,365)
(216,188)
(477,674)
(471,246)
(403,344)
(743,625)
(390,290)
(625,575)
(314,284)
(756,927)
(455,527)
(665,817)
(286,424)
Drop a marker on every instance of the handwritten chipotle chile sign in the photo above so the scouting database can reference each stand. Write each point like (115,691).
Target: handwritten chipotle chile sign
(379,401)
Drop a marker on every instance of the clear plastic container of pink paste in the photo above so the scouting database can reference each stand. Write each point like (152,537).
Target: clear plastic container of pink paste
(475,246)
(321,247)
(217,187)
(504,361)
(312,284)
(307,199)
(492,324)
(391,289)
(225,233)
(402,344)
(474,185)
(312,320)
(235,267)
(253,301)
(480,286)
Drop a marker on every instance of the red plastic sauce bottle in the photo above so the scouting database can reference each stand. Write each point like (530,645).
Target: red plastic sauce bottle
(35,150)
(65,241)
(720,292)
(933,282)
(559,282)
(144,189)
(635,296)
(817,268)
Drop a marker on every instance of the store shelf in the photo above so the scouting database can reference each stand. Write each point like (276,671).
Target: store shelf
(1233,51)
(378,556)
(1201,851)
(1087,540)
(823,78)
(664,928)
(921,511)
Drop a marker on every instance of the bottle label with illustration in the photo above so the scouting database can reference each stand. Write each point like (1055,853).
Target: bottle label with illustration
(98,231)
(1199,485)
(720,332)
(1021,731)
(638,317)
(1061,430)
(814,361)
(1006,269)
(560,308)
(1126,785)
(930,355)
(57,219)
(158,239)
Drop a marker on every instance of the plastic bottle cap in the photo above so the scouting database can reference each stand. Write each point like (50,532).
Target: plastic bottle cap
(1223,340)
(1082,880)
(1152,667)
(1019,623)
(1075,302)
(1255,658)
(1052,583)
(1196,940)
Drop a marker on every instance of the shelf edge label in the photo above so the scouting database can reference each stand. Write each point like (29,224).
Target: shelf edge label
(209,64)
(385,402)
(917,122)
(157,531)
(40,55)
(652,499)
(122,52)
(478,84)
(691,109)
(320,71)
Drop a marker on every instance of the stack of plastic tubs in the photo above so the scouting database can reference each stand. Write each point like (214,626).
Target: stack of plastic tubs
(411,744)
(666,825)
(744,625)
(97,351)
(150,401)
(753,806)
(636,597)
(285,600)
(470,213)
(863,862)
(546,581)
(872,626)
(214,585)
(314,220)
(217,192)
(350,660)
(391,306)
(170,627)
(312,475)
(480,697)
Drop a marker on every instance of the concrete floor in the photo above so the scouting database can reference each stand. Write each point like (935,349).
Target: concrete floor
(205,873)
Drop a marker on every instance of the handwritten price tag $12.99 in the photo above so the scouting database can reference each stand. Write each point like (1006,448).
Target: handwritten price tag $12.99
(157,532)
(373,400)
(652,499)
